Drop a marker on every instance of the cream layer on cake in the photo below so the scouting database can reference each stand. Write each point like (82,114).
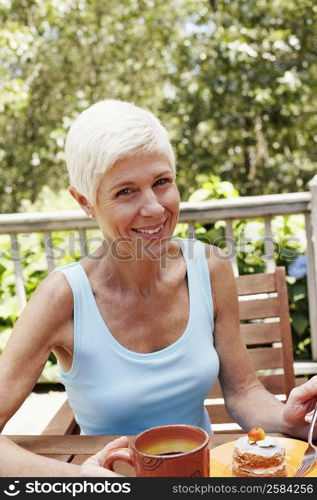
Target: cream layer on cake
(251,459)
(243,446)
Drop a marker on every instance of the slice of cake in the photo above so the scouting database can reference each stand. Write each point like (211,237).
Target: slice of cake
(257,455)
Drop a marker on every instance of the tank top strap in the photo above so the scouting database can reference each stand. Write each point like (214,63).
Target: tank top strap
(197,266)
(77,280)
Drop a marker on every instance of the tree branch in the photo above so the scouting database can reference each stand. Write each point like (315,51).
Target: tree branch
(213,5)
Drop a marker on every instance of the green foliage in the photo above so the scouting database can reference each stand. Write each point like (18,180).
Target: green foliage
(212,187)
(57,57)
(234,84)
(246,90)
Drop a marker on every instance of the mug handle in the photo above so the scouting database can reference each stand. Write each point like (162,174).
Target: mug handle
(123,454)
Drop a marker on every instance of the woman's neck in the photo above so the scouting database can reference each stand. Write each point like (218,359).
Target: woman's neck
(138,275)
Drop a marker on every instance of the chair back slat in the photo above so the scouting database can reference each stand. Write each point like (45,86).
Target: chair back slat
(260,283)
(259,308)
(265,358)
(260,333)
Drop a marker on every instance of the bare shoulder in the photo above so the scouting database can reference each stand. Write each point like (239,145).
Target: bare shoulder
(49,308)
(222,279)
(55,291)
(218,262)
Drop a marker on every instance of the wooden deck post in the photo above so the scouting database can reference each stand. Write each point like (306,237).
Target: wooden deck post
(17,262)
(312,256)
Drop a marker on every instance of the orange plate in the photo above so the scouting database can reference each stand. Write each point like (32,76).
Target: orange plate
(221,457)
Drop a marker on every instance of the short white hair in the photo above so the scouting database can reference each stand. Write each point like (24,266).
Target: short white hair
(106,132)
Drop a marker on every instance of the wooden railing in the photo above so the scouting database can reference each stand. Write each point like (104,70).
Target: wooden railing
(226,210)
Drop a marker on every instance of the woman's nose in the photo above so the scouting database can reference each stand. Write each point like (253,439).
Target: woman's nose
(151,206)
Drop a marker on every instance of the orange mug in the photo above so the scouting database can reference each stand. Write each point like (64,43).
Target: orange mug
(166,451)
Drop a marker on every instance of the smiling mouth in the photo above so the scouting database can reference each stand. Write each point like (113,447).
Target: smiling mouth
(149,231)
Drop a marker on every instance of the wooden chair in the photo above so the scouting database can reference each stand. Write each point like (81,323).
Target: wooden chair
(266,331)
(63,422)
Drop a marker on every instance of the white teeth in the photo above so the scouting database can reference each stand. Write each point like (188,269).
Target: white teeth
(148,231)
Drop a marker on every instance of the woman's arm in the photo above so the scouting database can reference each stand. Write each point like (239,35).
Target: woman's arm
(246,399)
(17,462)
(35,334)
(39,329)
(42,326)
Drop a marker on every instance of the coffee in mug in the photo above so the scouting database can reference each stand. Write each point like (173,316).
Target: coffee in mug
(166,451)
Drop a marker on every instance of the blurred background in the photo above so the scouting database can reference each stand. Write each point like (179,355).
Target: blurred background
(235,83)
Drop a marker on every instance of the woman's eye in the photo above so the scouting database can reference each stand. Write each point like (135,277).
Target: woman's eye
(161,182)
(124,191)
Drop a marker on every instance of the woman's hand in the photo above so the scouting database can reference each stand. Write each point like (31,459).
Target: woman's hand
(299,407)
(93,466)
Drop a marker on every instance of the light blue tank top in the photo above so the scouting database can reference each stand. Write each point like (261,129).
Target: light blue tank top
(113,390)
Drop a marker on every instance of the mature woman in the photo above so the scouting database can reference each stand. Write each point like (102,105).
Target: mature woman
(142,327)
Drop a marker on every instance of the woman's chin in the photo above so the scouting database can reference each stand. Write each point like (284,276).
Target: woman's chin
(150,248)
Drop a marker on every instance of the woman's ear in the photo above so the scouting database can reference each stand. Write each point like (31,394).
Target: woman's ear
(82,201)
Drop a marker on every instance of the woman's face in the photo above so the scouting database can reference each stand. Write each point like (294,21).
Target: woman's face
(137,204)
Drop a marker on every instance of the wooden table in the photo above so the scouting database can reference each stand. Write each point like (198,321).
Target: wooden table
(75,449)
